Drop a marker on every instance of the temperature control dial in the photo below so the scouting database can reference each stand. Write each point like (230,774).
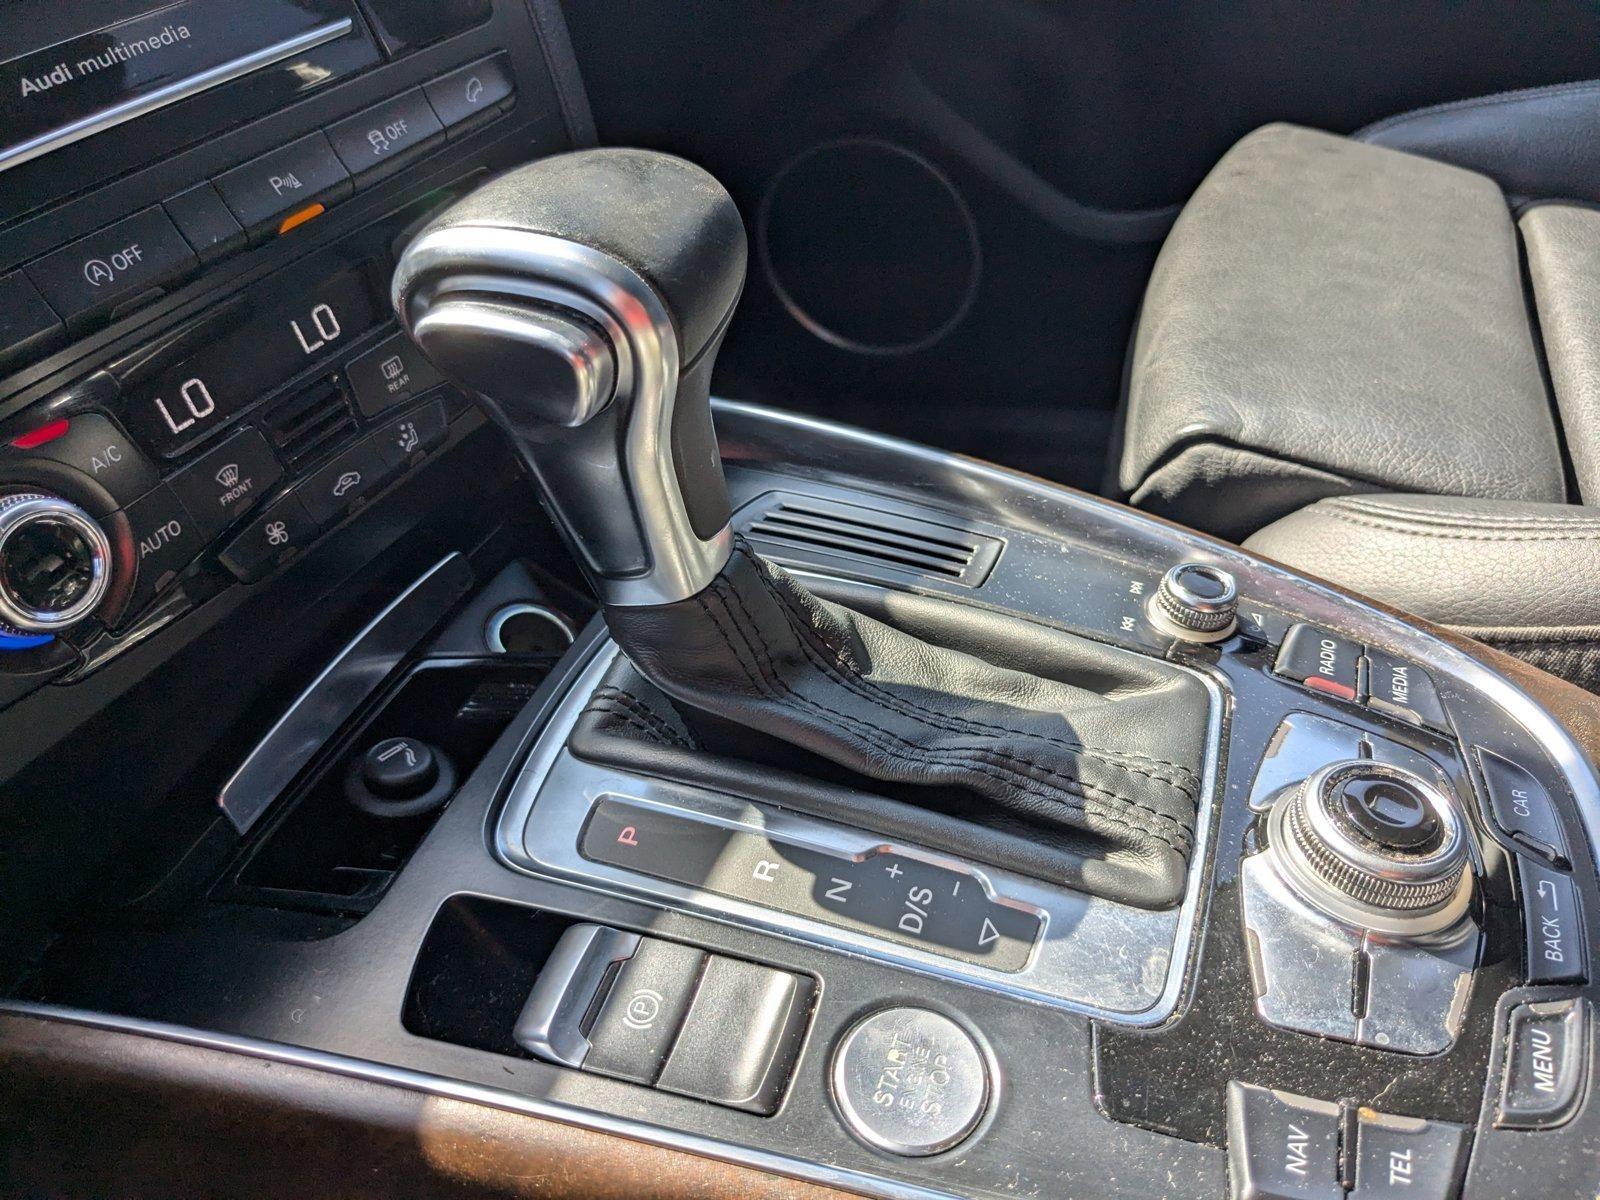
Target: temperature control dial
(55,562)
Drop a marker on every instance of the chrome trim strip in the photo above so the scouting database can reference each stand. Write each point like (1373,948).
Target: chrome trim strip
(1263,581)
(1094,957)
(179,89)
(473,1093)
(341,688)
(484,259)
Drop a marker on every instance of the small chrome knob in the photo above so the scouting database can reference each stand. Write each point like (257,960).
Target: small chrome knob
(55,562)
(1374,845)
(1197,602)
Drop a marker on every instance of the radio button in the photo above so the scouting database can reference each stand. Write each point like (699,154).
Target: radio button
(391,372)
(165,541)
(120,261)
(470,90)
(205,222)
(384,132)
(267,540)
(225,483)
(263,189)
(27,323)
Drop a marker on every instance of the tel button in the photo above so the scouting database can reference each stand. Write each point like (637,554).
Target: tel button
(165,541)
(1406,1156)
(1546,1061)
(92,274)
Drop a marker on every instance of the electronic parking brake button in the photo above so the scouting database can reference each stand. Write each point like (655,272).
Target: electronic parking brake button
(644,1010)
(1321,660)
(1546,1061)
(1282,1146)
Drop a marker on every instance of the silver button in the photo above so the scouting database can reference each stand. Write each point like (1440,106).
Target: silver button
(910,1081)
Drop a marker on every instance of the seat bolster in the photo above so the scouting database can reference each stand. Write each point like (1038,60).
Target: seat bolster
(1522,576)
(1563,246)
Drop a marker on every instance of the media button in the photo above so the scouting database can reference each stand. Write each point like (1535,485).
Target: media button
(225,483)
(469,90)
(94,273)
(384,132)
(303,172)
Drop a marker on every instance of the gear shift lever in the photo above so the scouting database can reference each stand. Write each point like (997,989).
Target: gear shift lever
(582,299)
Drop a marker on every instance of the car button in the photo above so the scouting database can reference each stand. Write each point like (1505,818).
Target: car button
(27,324)
(1406,1156)
(165,541)
(1403,689)
(1321,660)
(417,432)
(1553,924)
(1282,1146)
(92,274)
(225,483)
(643,1012)
(355,474)
(1522,808)
(469,90)
(263,189)
(1546,1060)
(97,448)
(384,132)
(270,538)
(393,371)
(205,222)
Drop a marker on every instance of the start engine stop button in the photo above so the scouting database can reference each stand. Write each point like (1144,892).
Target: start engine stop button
(910,1081)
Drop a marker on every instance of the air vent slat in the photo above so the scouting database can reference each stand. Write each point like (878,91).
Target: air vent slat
(852,539)
(955,556)
(310,422)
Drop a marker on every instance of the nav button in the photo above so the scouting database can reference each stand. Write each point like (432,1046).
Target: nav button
(1282,1146)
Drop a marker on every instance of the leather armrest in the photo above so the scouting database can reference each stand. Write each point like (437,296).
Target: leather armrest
(1523,577)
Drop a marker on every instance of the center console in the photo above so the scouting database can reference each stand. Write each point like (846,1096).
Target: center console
(1283,896)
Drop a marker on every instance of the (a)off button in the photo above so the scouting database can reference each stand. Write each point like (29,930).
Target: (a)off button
(910,1081)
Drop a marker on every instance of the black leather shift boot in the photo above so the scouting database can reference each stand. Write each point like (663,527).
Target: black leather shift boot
(1050,754)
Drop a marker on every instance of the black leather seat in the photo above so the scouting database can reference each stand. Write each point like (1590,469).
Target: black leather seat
(1379,368)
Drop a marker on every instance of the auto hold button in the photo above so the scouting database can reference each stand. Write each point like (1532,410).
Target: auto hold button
(1546,1060)
(910,1081)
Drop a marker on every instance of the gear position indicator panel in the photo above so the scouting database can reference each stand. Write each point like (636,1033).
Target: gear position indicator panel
(894,896)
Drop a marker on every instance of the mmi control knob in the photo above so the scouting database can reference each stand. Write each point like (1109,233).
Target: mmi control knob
(55,562)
